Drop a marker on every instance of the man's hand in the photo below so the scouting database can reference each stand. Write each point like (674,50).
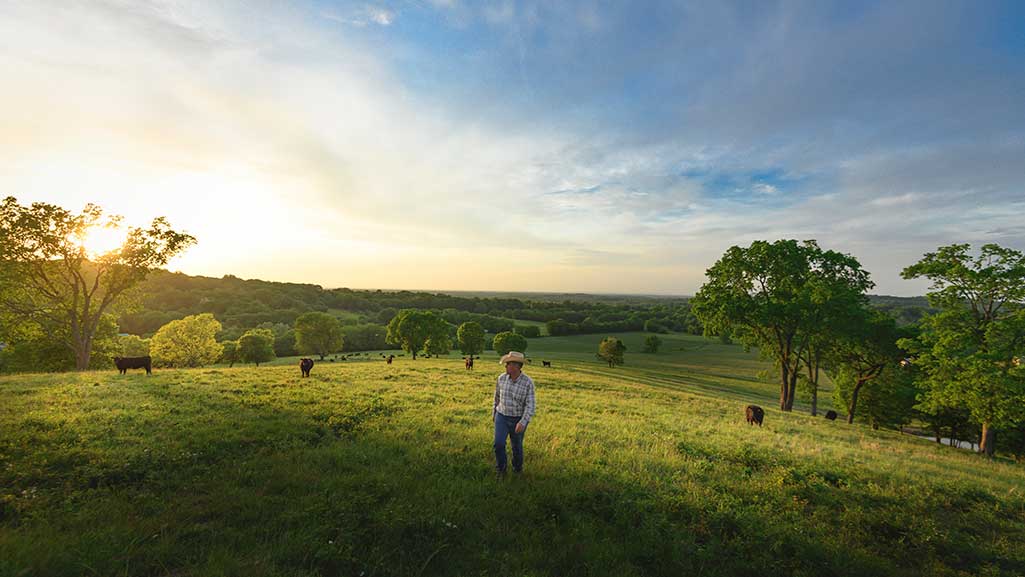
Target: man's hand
(520,427)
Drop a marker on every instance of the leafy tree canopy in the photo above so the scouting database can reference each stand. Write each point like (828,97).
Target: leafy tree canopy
(611,351)
(411,329)
(318,334)
(967,351)
(652,343)
(50,277)
(775,296)
(189,342)
(510,341)
(256,346)
(470,336)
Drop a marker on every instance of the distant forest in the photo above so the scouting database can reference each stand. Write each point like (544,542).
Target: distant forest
(243,304)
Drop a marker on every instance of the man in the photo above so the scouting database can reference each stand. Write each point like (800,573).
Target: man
(514,407)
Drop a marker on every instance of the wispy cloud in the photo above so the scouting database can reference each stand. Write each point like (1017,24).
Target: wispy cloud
(362,16)
(606,150)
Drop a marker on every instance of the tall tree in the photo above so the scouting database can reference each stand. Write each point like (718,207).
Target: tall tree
(50,276)
(611,350)
(411,329)
(230,353)
(864,353)
(256,346)
(652,343)
(318,333)
(439,343)
(471,338)
(509,341)
(773,296)
(967,350)
(188,342)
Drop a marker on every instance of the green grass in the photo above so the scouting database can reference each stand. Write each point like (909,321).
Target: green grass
(366,468)
(540,325)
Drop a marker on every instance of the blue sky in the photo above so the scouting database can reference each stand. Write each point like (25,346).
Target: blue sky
(577,146)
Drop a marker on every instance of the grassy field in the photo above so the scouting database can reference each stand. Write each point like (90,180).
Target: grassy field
(374,469)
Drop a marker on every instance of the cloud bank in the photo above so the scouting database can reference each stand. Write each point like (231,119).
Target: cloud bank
(518,145)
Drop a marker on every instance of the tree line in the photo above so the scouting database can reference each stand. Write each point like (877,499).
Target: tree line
(807,311)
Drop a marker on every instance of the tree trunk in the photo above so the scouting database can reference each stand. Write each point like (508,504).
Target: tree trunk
(813,376)
(854,401)
(792,391)
(83,352)
(988,444)
(784,380)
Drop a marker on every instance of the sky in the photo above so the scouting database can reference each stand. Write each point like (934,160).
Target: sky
(604,147)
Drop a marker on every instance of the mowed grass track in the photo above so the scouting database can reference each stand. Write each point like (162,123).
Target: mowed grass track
(372,469)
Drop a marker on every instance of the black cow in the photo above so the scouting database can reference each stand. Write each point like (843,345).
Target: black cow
(831,415)
(390,359)
(755,414)
(125,363)
(546,363)
(305,365)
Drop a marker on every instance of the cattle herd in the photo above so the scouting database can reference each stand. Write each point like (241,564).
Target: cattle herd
(753,413)
(756,414)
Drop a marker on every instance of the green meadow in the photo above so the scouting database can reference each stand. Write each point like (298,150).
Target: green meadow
(374,469)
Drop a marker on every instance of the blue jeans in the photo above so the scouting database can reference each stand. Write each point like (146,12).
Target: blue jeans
(506,427)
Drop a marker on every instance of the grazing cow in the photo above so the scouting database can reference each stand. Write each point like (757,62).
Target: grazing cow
(390,358)
(305,365)
(468,361)
(755,414)
(831,415)
(546,363)
(125,363)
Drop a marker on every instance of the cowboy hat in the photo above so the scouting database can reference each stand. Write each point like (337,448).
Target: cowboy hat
(513,357)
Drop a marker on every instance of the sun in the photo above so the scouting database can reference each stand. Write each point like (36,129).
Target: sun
(101,240)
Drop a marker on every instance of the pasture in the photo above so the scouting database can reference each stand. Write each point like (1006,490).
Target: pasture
(374,469)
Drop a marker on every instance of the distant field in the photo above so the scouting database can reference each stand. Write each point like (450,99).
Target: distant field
(685,363)
(540,325)
(371,469)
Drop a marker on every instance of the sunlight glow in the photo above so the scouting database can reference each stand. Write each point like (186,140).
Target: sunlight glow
(102,240)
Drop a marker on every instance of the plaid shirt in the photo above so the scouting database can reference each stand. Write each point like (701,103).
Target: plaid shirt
(515,398)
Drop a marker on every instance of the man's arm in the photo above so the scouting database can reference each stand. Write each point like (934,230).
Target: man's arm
(528,410)
(494,406)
